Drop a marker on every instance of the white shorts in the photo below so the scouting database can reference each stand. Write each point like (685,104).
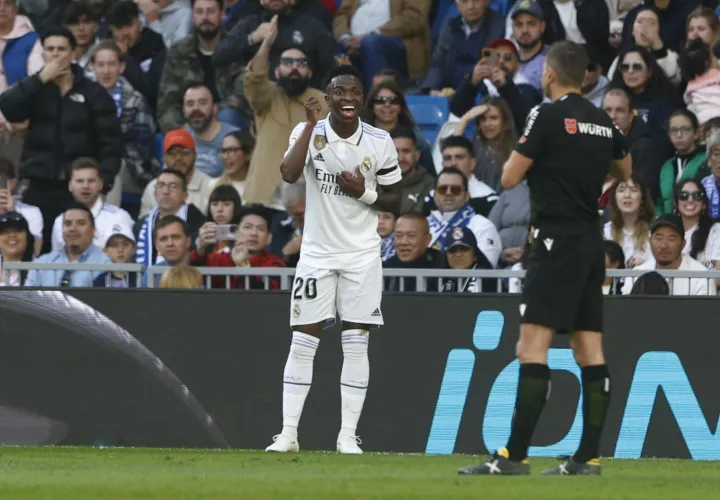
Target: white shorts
(318,295)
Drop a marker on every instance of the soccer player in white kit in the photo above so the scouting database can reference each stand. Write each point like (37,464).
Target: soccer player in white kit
(351,172)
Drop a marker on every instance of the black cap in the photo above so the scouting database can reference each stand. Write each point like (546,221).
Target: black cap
(529,7)
(668,220)
(460,236)
(13,220)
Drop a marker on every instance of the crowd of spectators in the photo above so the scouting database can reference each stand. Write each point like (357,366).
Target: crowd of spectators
(151,131)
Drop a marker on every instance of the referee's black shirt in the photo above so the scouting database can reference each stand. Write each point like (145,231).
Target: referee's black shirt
(572,144)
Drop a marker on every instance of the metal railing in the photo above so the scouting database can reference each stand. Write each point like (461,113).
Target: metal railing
(423,278)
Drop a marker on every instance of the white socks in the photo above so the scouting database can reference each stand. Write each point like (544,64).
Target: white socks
(297,379)
(354,378)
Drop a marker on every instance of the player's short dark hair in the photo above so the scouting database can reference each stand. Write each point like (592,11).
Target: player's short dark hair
(614,252)
(694,59)
(570,61)
(457,141)
(651,283)
(123,13)
(401,132)
(79,206)
(685,113)
(177,173)
(258,210)
(84,163)
(343,70)
(416,216)
(168,220)
(454,171)
(77,10)
(7,168)
(108,44)
(60,31)
(221,4)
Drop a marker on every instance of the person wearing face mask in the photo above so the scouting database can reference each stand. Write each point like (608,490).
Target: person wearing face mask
(190,60)
(278,107)
(632,212)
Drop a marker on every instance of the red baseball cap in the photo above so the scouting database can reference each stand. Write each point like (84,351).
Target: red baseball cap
(179,137)
(504,42)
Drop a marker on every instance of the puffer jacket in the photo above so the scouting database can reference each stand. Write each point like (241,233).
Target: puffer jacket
(82,122)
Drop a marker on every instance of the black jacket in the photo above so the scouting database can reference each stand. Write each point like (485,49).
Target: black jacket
(149,58)
(431,259)
(648,155)
(294,31)
(310,8)
(83,122)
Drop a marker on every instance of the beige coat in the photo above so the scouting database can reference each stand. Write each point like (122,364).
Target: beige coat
(408,23)
(276,115)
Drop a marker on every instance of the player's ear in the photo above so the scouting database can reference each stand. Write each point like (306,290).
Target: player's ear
(327,100)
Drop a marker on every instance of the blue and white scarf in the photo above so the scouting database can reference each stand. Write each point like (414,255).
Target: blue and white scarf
(145,237)
(713,193)
(387,247)
(116,93)
(439,229)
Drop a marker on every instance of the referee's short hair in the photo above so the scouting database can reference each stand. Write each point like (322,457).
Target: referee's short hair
(570,61)
(453,171)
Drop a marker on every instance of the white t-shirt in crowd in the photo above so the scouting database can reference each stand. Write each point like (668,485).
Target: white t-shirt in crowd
(33,216)
(568,18)
(628,245)
(106,216)
(712,246)
(369,16)
(341,232)
(679,286)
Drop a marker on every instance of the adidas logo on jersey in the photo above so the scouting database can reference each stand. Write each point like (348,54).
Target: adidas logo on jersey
(376,313)
(319,157)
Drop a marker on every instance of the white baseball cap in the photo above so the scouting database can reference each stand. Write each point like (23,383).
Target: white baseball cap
(122,230)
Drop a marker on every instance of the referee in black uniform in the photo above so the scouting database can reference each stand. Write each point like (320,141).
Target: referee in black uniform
(566,151)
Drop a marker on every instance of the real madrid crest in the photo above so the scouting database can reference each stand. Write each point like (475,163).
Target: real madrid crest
(296,310)
(319,142)
(457,233)
(366,164)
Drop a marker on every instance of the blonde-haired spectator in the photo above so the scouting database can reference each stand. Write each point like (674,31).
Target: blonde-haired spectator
(181,277)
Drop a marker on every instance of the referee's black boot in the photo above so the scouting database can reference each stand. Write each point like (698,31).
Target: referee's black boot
(498,464)
(573,468)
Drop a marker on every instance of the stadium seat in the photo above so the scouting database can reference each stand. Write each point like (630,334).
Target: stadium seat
(159,147)
(430,113)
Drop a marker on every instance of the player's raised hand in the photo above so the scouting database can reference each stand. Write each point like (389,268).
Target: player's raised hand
(352,184)
(313,110)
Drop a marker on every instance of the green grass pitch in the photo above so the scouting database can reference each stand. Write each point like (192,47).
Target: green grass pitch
(117,473)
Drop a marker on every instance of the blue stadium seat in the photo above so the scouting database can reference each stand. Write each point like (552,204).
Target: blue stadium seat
(430,113)
(159,147)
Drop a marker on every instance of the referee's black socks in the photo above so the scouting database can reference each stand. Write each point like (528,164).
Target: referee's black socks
(531,398)
(596,400)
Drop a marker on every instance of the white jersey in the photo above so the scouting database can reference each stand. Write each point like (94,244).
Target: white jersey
(341,232)
(106,216)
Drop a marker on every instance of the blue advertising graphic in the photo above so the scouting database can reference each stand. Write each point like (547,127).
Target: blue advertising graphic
(653,371)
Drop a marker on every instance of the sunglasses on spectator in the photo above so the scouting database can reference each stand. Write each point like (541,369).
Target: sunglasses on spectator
(625,67)
(300,62)
(680,130)
(507,56)
(387,100)
(686,195)
(453,190)
(235,149)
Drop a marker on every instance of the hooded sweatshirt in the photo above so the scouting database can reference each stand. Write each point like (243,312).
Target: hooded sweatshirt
(21,54)
(175,22)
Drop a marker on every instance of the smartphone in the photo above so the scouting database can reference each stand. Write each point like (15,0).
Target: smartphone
(225,232)
(3,182)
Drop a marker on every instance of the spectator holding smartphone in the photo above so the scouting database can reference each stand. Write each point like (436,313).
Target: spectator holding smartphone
(249,250)
(224,209)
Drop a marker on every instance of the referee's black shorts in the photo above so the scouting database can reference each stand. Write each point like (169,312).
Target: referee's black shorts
(563,283)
